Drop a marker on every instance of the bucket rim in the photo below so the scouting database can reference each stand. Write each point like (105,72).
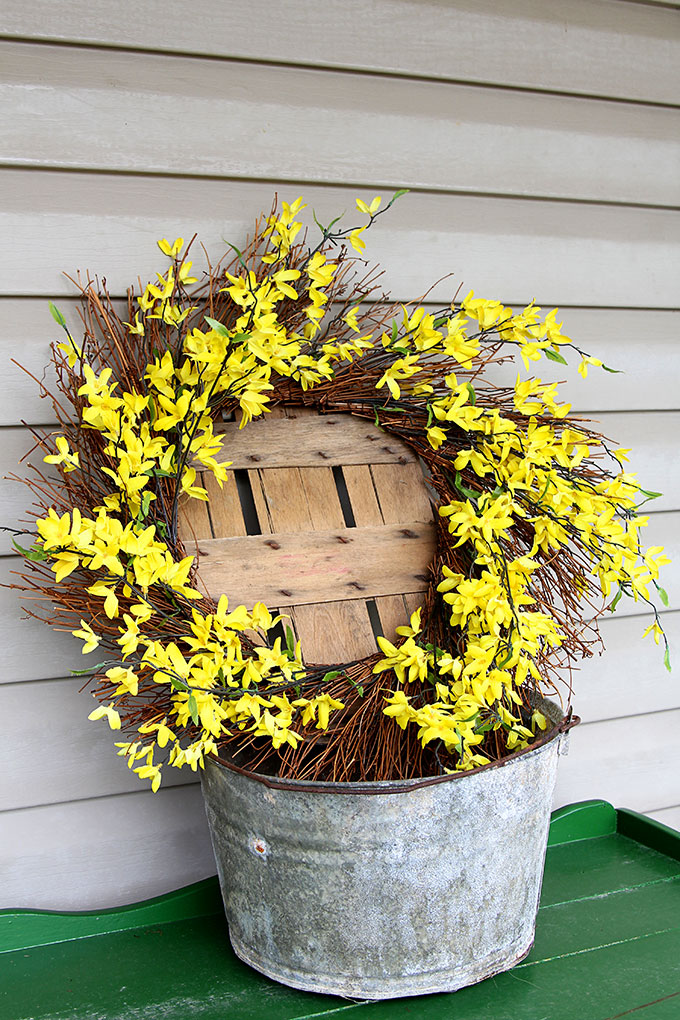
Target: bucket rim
(395,786)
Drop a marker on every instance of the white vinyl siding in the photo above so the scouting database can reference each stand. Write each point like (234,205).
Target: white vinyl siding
(540,142)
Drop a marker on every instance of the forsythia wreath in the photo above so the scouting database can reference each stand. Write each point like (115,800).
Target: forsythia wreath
(536,517)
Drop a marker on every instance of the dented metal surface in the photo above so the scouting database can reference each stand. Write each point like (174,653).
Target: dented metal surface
(426,888)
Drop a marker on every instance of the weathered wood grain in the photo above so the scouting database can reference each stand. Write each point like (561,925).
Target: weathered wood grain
(323,440)
(306,567)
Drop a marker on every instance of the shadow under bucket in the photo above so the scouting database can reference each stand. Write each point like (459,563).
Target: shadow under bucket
(380,890)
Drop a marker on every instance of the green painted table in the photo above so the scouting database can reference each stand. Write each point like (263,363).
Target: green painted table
(607,946)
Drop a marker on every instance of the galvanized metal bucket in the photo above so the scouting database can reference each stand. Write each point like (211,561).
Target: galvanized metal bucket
(379,890)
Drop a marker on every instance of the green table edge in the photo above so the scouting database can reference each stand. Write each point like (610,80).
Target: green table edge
(25,928)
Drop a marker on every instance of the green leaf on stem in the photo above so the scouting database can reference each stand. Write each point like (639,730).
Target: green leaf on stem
(470,493)
(88,669)
(554,356)
(192,705)
(36,553)
(239,254)
(219,327)
(56,315)
(396,195)
(145,503)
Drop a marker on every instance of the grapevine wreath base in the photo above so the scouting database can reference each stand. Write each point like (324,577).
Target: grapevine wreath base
(537,522)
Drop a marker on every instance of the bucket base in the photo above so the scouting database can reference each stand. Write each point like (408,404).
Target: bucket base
(362,987)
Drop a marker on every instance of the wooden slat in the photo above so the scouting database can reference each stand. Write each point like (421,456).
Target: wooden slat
(401,490)
(587,47)
(281,495)
(315,566)
(224,508)
(363,494)
(72,95)
(647,381)
(194,520)
(94,854)
(307,499)
(328,631)
(404,488)
(335,631)
(317,440)
(556,252)
(652,436)
(366,513)
(632,762)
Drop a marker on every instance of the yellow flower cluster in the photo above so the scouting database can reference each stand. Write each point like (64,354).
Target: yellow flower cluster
(224,670)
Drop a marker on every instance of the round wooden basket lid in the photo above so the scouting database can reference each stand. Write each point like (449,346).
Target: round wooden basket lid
(323,517)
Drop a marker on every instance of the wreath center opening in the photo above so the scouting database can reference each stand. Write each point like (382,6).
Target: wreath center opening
(324,518)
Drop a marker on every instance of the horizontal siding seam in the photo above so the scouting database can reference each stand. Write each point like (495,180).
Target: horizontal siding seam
(585,414)
(671,5)
(103,796)
(27,167)
(343,69)
(75,299)
(585,723)
(85,678)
